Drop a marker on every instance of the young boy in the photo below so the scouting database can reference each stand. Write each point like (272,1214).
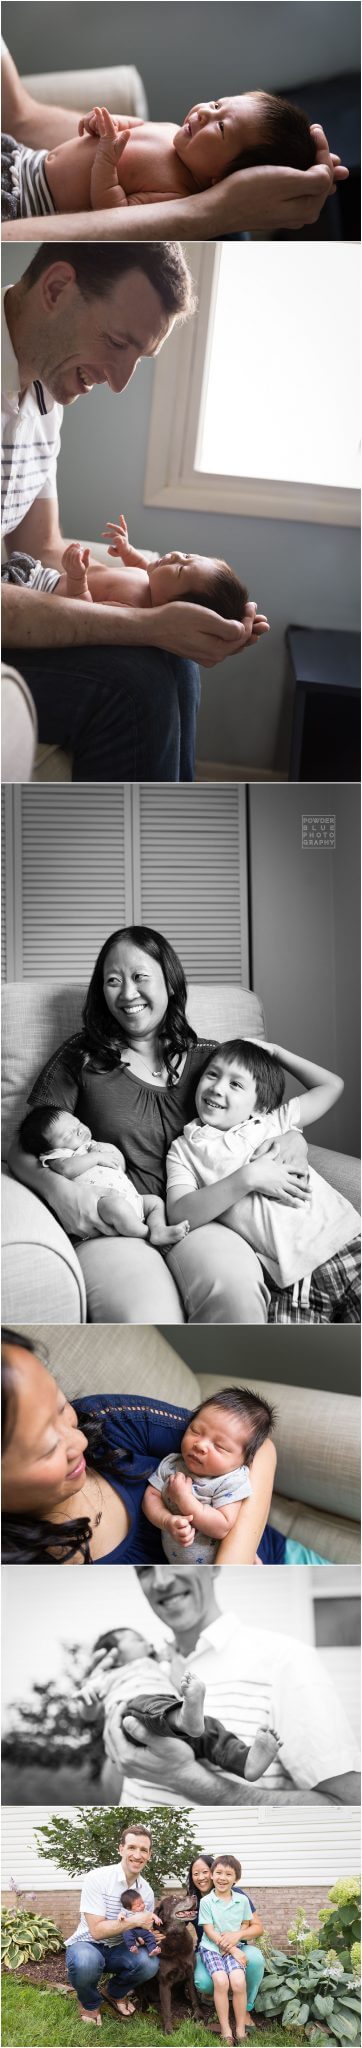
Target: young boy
(224,1912)
(194,1495)
(130,162)
(308,1241)
(60,1141)
(199,579)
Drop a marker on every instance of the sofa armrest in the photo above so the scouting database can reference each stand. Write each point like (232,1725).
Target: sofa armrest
(117,86)
(341,1169)
(41,1276)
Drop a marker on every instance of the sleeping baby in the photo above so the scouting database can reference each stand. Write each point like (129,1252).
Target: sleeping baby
(120,161)
(199,579)
(58,1140)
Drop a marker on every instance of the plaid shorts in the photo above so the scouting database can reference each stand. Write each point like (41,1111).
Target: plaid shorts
(214,1961)
(332,1294)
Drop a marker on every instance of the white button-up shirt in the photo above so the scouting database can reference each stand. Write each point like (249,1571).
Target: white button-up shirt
(30,439)
(101,1893)
(253,1676)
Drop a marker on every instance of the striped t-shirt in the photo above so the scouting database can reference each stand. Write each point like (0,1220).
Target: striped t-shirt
(30,181)
(30,439)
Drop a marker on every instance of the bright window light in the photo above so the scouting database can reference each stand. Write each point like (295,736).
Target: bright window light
(281,396)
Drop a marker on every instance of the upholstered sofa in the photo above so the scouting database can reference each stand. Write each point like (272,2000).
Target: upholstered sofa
(317,1435)
(42,1278)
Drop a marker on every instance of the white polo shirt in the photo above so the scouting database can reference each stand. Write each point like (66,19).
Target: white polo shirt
(101,1893)
(253,1676)
(30,439)
(290,1242)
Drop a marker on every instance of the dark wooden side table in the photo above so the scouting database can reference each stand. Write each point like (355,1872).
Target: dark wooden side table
(325,738)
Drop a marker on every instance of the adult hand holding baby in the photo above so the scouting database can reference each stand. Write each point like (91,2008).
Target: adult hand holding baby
(201,635)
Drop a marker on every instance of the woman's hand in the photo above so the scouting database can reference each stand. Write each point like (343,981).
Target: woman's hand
(74,1203)
(242,1542)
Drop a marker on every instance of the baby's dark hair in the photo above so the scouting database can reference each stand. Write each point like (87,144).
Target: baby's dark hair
(111,1639)
(288,138)
(36,1130)
(266,1070)
(131,1898)
(225,1860)
(223,593)
(247,1408)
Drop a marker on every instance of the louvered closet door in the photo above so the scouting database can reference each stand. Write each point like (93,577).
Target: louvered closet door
(71,876)
(190,876)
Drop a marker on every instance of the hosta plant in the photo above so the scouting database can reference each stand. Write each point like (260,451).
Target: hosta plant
(312,1993)
(27,1937)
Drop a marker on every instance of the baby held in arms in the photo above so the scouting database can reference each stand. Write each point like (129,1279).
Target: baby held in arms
(148,1704)
(194,1495)
(122,161)
(199,579)
(60,1141)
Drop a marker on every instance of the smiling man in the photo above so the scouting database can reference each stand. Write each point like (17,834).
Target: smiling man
(117,687)
(253,1677)
(97,1944)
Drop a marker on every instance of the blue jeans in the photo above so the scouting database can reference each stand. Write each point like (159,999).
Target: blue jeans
(255,1967)
(87,1960)
(125,713)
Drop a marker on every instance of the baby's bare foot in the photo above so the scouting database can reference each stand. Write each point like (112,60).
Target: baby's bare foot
(165,1234)
(262,1753)
(192,1711)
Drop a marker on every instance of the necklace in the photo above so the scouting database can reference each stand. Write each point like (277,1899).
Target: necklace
(157,1073)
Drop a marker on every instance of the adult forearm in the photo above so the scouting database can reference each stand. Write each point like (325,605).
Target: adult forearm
(40,619)
(43,126)
(242,1542)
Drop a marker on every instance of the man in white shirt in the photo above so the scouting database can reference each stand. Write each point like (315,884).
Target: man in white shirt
(252,1676)
(116,686)
(97,1943)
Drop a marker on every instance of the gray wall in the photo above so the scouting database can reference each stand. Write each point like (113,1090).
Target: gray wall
(327,1358)
(300,573)
(253,44)
(305,921)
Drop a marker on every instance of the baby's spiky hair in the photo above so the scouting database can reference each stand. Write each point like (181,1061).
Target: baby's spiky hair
(287,137)
(223,592)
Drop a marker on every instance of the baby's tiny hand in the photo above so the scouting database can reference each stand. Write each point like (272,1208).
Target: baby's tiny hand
(179,1489)
(182,1529)
(117,531)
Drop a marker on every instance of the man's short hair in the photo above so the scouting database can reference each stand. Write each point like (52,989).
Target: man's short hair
(226,1861)
(135,1828)
(100,265)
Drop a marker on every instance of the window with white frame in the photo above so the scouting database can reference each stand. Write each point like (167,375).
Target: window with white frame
(256,400)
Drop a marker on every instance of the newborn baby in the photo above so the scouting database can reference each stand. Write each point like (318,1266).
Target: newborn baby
(194,1496)
(61,1142)
(157,1707)
(201,579)
(128,162)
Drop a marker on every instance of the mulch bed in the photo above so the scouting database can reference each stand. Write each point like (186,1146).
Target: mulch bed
(51,1971)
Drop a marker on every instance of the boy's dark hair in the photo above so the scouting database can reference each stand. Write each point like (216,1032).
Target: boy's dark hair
(36,1128)
(266,1070)
(225,1860)
(223,593)
(288,139)
(129,1898)
(98,266)
(239,1401)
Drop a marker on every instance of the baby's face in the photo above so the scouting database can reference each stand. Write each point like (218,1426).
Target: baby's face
(225,1095)
(212,1443)
(75,1137)
(175,574)
(131,1647)
(215,131)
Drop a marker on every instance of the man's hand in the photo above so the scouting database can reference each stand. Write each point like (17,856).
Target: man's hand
(270,199)
(200,635)
(338,172)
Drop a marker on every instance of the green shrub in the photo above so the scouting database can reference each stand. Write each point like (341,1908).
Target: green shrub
(27,1937)
(312,1993)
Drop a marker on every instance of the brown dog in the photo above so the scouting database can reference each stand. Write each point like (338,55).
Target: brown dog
(178,1940)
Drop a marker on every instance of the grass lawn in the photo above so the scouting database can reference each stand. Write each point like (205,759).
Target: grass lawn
(47,2019)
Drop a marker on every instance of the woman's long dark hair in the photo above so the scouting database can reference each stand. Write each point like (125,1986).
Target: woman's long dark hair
(104,1038)
(26,1539)
(191,1886)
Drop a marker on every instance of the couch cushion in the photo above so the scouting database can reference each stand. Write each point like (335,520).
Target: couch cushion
(38,1015)
(137,1361)
(317,1438)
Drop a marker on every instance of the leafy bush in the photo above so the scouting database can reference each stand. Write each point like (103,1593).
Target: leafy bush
(340,1926)
(309,1992)
(27,1937)
(93,1837)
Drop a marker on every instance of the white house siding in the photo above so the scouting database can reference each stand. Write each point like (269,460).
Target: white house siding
(300,1846)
